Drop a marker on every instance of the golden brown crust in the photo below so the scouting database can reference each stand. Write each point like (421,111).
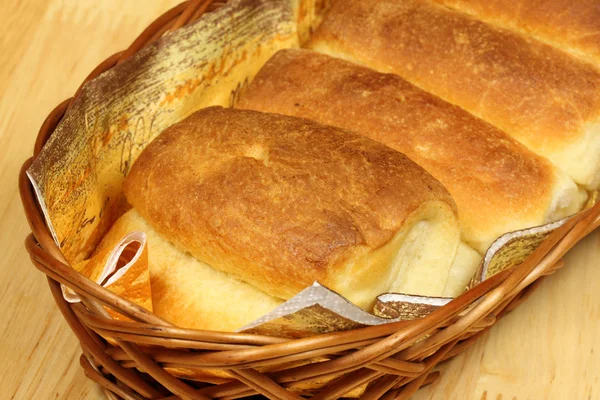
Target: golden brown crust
(498,184)
(278,201)
(572,26)
(543,97)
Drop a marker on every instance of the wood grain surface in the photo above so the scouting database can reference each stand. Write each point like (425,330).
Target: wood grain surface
(549,348)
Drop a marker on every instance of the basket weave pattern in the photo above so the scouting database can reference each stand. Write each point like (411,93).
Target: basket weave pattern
(397,358)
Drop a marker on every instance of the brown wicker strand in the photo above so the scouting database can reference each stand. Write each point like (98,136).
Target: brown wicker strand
(176,386)
(414,384)
(213,5)
(130,377)
(195,6)
(263,384)
(145,363)
(290,375)
(48,126)
(393,343)
(432,377)
(34,215)
(383,386)
(247,393)
(521,297)
(162,31)
(226,338)
(97,377)
(464,345)
(224,359)
(229,389)
(346,384)
(142,39)
(555,267)
(85,287)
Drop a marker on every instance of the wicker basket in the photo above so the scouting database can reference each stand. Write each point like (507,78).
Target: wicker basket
(396,358)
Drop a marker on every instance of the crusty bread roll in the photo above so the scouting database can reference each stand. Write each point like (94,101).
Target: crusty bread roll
(545,98)
(572,26)
(186,291)
(498,185)
(280,202)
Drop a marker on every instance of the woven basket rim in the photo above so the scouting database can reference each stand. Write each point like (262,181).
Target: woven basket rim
(378,349)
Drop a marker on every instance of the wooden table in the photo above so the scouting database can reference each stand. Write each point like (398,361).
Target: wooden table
(549,348)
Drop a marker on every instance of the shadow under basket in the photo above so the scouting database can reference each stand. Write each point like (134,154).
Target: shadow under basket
(394,359)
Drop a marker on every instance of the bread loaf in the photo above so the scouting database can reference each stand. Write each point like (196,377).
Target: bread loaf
(188,292)
(543,97)
(280,202)
(498,185)
(572,26)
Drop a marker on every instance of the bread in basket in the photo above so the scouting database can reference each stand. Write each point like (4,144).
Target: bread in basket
(143,350)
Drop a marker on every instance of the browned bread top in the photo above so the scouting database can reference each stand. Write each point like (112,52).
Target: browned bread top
(277,201)
(498,184)
(572,26)
(545,98)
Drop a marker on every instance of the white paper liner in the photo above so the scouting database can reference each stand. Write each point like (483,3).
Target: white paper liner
(111,264)
(42,203)
(319,294)
(507,237)
(430,301)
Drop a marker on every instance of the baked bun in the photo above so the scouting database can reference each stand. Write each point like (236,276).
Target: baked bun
(498,184)
(571,26)
(547,99)
(188,292)
(280,202)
